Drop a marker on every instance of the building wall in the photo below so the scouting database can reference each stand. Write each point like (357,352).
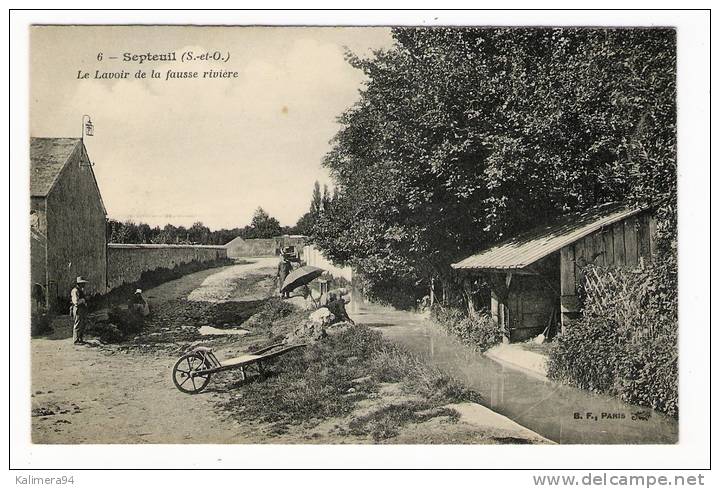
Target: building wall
(127,262)
(252,248)
(297,241)
(625,244)
(38,255)
(313,256)
(38,241)
(257,247)
(76,239)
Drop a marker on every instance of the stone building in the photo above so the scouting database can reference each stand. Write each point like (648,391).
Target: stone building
(68,222)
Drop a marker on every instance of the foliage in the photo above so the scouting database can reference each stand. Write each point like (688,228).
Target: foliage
(478,331)
(305,224)
(40,323)
(464,136)
(319,204)
(586,355)
(313,385)
(262,226)
(626,342)
(648,373)
(272,310)
(316,202)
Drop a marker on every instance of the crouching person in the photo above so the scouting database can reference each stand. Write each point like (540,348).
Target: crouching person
(336,305)
(138,305)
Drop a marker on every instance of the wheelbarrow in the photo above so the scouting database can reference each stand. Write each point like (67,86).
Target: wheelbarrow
(191,373)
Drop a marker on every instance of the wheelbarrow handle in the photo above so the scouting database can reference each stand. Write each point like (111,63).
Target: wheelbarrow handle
(267,348)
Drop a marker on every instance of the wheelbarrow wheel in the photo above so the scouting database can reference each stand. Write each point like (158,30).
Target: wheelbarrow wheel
(185,374)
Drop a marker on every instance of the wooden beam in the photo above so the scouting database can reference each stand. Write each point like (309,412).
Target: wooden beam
(619,244)
(631,241)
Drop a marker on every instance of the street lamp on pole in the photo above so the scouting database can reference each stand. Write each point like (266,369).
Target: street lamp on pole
(87,127)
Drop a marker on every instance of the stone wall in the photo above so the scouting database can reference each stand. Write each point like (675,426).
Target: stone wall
(75,231)
(313,256)
(258,247)
(127,262)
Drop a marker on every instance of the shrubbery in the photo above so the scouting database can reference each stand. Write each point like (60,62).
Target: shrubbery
(273,309)
(39,324)
(120,325)
(479,332)
(626,342)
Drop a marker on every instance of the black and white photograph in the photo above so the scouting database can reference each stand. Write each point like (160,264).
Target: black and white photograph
(376,234)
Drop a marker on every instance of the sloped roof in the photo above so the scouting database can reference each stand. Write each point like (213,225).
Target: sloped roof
(47,159)
(235,241)
(530,247)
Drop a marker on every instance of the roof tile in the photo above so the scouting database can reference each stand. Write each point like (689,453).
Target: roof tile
(47,159)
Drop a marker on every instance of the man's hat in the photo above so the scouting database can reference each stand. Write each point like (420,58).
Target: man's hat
(138,291)
(80,280)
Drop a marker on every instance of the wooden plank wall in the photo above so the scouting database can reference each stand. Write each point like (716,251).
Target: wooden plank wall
(625,244)
(531,303)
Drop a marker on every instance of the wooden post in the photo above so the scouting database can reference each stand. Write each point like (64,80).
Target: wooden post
(432,291)
(568,296)
(467,290)
(505,309)
(501,321)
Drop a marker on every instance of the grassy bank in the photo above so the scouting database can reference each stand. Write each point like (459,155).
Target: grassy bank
(478,332)
(335,377)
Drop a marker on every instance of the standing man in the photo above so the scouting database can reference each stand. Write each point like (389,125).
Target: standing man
(284,268)
(78,310)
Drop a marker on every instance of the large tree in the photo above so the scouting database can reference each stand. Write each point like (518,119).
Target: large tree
(462,137)
(263,226)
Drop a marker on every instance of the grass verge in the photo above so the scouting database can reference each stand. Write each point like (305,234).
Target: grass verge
(330,378)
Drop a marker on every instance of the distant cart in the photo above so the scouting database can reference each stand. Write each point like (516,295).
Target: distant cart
(191,373)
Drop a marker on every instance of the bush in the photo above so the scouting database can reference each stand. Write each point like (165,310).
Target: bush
(648,373)
(272,310)
(479,332)
(40,324)
(120,325)
(626,342)
(586,355)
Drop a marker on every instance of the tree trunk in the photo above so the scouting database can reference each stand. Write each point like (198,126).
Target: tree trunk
(469,299)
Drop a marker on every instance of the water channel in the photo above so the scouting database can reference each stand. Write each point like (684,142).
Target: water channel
(561,413)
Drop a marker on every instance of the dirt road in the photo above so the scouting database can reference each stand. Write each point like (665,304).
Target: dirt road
(123,393)
(112,395)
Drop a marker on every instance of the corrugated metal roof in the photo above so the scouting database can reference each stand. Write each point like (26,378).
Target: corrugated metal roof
(529,247)
(47,159)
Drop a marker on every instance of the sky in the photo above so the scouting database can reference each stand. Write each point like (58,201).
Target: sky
(212,150)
